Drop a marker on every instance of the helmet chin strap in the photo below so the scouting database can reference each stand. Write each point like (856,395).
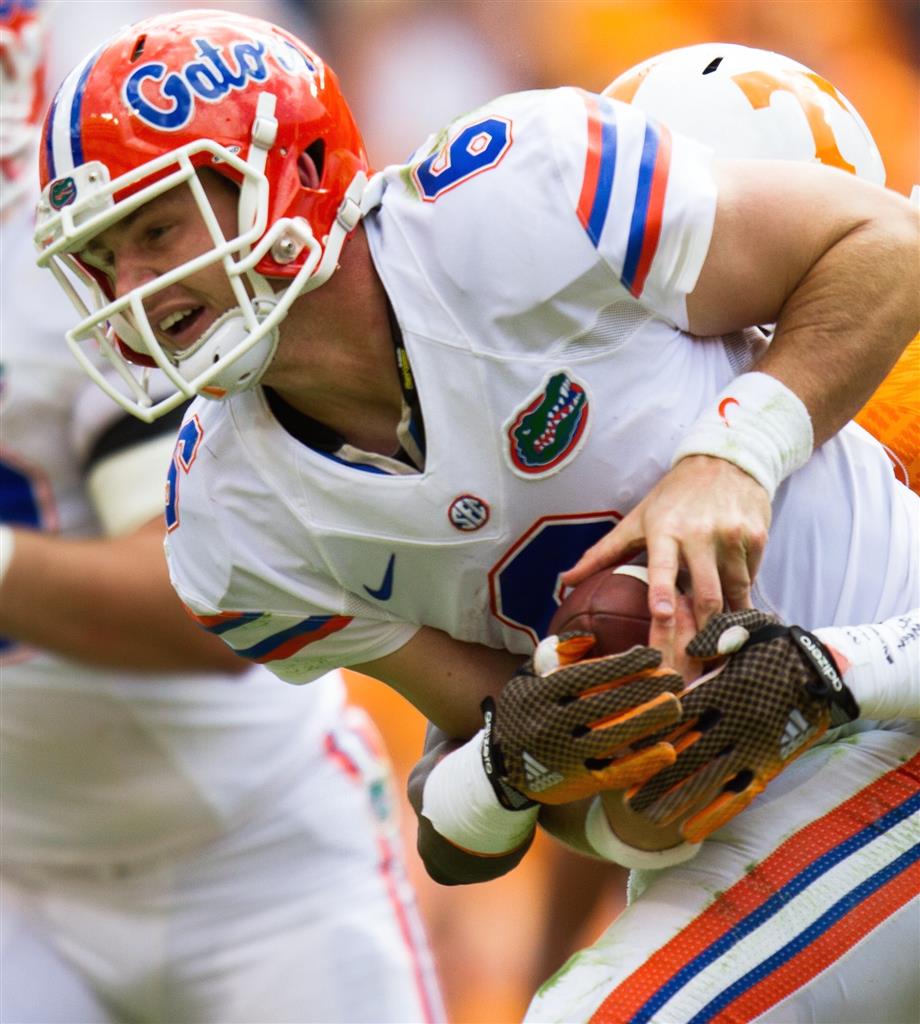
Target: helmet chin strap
(227,334)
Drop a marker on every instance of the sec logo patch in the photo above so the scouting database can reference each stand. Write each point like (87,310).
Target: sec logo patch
(468,512)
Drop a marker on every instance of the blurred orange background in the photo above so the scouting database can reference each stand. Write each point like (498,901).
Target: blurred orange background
(869,49)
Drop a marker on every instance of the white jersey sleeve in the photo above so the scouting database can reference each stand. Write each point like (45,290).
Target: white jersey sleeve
(541,194)
(643,194)
(259,581)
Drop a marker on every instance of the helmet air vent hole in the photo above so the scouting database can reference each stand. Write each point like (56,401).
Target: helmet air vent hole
(310,164)
(138,48)
(712,65)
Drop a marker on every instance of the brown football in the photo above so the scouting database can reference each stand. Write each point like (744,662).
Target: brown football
(612,604)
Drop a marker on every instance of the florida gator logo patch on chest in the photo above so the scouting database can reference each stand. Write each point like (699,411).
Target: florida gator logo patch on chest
(549,429)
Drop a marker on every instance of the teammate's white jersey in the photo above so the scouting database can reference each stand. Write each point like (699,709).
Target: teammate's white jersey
(544,420)
(99,765)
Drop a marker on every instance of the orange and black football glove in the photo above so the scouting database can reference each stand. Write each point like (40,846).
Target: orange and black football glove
(776,692)
(563,726)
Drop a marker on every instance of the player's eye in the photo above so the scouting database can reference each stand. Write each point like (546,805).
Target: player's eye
(155,233)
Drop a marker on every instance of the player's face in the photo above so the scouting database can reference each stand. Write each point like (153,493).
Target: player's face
(158,237)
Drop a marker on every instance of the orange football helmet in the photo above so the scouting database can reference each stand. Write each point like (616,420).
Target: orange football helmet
(159,101)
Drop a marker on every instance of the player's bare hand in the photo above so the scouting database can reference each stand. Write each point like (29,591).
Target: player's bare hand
(706,516)
(685,630)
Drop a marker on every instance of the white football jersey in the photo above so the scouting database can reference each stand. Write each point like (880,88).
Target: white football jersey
(537,256)
(97,764)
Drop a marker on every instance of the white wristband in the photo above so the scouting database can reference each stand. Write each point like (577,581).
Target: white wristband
(605,843)
(883,670)
(7,543)
(461,804)
(756,423)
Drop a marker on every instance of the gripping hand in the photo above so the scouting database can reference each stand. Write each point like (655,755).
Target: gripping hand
(562,728)
(773,696)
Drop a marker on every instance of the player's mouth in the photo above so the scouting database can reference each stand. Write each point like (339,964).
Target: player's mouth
(182,327)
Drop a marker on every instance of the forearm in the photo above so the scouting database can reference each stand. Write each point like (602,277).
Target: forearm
(106,602)
(845,325)
(880,663)
(833,262)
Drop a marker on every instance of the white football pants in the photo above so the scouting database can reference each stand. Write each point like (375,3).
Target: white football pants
(803,908)
(304,914)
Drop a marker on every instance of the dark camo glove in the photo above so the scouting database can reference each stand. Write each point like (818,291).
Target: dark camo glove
(775,694)
(562,727)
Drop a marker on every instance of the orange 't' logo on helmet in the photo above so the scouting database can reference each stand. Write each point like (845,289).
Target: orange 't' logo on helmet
(759,86)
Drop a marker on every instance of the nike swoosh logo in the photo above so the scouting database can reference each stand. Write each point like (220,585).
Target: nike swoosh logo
(385,590)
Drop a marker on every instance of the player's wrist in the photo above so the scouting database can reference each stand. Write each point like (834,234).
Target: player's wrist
(758,424)
(880,664)
(492,764)
(605,842)
(461,803)
(7,544)
(828,683)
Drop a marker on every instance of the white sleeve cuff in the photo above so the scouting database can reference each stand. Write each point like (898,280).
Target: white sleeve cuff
(461,804)
(756,423)
(606,844)
(882,667)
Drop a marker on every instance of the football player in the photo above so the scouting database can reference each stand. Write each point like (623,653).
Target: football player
(750,103)
(183,839)
(425,393)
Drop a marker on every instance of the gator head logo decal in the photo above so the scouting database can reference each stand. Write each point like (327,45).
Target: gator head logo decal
(549,430)
(62,193)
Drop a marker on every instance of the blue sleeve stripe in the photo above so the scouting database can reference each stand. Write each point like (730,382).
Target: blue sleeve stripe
(271,645)
(600,166)
(604,182)
(243,619)
(638,224)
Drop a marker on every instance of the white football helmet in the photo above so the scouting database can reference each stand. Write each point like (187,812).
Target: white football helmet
(752,104)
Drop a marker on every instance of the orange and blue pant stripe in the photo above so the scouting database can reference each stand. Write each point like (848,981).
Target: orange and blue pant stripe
(765,891)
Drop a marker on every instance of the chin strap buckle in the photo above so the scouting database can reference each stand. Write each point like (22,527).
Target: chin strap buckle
(360,198)
(265,126)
